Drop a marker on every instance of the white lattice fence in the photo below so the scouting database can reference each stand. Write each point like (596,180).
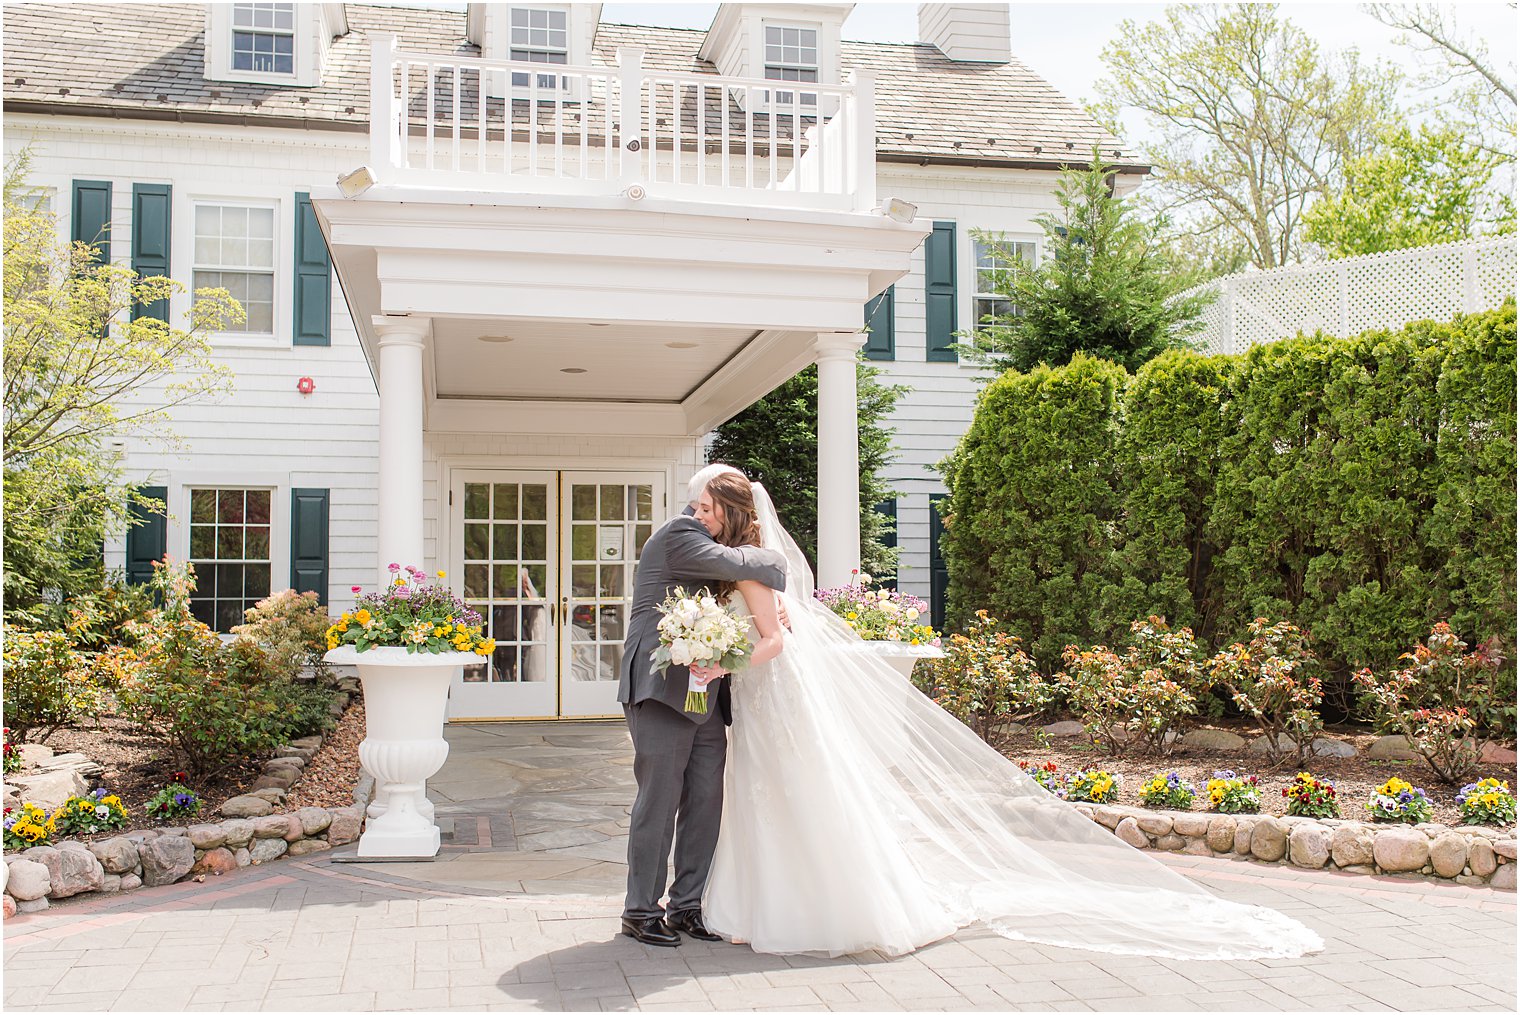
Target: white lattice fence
(1353,294)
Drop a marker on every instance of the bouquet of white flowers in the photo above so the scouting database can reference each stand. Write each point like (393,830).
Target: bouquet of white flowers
(698,630)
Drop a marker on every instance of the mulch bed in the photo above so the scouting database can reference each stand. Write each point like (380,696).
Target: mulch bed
(1354,778)
(136,767)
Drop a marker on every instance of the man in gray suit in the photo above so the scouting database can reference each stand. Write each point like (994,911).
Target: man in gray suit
(678,756)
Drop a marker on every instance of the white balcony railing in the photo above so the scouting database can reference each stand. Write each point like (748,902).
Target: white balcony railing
(511,126)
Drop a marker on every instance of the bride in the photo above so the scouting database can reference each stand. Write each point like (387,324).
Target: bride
(859,815)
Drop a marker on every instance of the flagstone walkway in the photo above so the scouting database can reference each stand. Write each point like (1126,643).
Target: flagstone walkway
(519,912)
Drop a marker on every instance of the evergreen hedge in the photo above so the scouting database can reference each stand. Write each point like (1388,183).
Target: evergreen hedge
(1362,489)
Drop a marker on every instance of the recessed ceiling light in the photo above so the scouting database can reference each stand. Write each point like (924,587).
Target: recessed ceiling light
(680,345)
(572,370)
(598,324)
(496,338)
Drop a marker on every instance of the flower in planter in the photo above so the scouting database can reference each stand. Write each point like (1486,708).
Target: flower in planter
(174,801)
(1046,777)
(1309,797)
(1397,800)
(101,811)
(31,826)
(1170,790)
(1096,786)
(1486,802)
(878,614)
(411,613)
(1233,794)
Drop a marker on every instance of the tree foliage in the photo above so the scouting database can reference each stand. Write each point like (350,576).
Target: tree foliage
(775,442)
(1418,188)
(80,373)
(1100,290)
(1250,124)
(1361,489)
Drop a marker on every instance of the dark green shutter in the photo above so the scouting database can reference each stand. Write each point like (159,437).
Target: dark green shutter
(313,310)
(92,216)
(308,542)
(939,294)
(939,575)
(150,242)
(888,508)
(147,536)
(881,315)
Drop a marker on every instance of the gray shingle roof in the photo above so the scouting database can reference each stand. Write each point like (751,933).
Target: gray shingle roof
(146,61)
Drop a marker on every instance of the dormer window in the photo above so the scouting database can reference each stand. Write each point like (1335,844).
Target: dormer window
(264,38)
(791,54)
(540,36)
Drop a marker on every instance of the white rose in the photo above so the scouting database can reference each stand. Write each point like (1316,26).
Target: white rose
(890,608)
(680,652)
(911,614)
(866,579)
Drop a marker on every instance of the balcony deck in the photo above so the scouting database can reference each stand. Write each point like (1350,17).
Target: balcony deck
(466,123)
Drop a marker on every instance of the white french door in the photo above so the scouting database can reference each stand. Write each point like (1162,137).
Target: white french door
(547,558)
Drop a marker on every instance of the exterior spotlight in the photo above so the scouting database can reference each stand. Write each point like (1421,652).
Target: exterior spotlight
(898,210)
(357,182)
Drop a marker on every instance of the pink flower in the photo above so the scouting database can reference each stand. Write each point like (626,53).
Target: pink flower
(353,588)
(393,568)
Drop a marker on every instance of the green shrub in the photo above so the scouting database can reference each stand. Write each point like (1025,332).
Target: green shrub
(291,627)
(1030,519)
(1270,679)
(48,684)
(985,679)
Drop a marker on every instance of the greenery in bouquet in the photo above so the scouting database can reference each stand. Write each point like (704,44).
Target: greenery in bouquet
(1046,775)
(411,613)
(697,630)
(1233,794)
(12,756)
(1486,802)
(878,614)
(1170,790)
(1309,797)
(174,801)
(101,811)
(1095,786)
(1397,800)
(30,826)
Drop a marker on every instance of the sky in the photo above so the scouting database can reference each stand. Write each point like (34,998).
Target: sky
(1062,42)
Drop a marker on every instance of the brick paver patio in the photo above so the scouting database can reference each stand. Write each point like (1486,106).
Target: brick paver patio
(520,913)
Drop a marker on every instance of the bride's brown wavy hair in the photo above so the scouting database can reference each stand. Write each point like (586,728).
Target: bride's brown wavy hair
(741,524)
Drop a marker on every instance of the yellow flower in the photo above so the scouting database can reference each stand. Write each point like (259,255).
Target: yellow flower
(442,574)
(362,616)
(399,581)
(850,616)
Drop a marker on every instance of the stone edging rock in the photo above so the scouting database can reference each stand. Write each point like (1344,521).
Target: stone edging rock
(1466,855)
(251,834)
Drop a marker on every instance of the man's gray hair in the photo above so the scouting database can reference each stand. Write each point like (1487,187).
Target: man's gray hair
(704,476)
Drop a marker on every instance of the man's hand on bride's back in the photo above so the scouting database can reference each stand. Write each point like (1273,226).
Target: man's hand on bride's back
(781,614)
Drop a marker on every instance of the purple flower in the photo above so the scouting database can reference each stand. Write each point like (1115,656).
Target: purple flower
(99,793)
(183,799)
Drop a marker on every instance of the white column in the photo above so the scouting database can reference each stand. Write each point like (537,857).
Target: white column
(399,537)
(838,457)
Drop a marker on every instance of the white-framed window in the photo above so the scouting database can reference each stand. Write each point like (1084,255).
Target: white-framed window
(235,250)
(988,301)
(540,35)
(231,548)
(791,54)
(264,38)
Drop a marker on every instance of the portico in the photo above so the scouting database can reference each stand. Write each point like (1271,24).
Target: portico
(591,329)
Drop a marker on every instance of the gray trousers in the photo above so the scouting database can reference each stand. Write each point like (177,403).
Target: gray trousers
(678,765)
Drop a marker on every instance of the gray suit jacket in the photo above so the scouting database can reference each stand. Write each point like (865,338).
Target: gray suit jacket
(681,553)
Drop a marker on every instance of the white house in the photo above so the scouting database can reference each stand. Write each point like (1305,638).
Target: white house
(564,250)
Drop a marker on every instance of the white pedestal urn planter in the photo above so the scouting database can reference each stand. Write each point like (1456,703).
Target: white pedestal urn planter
(405,703)
(902,655)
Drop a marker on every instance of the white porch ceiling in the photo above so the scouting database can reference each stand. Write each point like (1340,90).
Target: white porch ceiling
(612,362)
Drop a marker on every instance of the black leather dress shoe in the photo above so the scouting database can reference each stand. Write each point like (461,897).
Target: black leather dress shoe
(651,931)
(689,922)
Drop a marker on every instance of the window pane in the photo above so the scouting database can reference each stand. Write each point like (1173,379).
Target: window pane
(476,500)
(477,542)
(229,543)
(535,502)
(476,581)
(229,506)
(257,544)
(258,507)
(202,505)
(229,614)
(583,580)
(256,582)
(535,542)
(505,501)
(612,503)
(504,542)
(202,542)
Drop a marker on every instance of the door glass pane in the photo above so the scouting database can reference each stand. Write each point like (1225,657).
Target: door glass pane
(640,503)
(476,581)
(612,581)
(641,534)
(477,542)
(600,595)
(535,502)
(504,541)
(583,542)
(505,501)
(612,623)
(612,503)
(582,502)
(583,580)
(477,498)
(535,542)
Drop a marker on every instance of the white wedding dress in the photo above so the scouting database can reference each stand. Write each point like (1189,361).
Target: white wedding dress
(859,815)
